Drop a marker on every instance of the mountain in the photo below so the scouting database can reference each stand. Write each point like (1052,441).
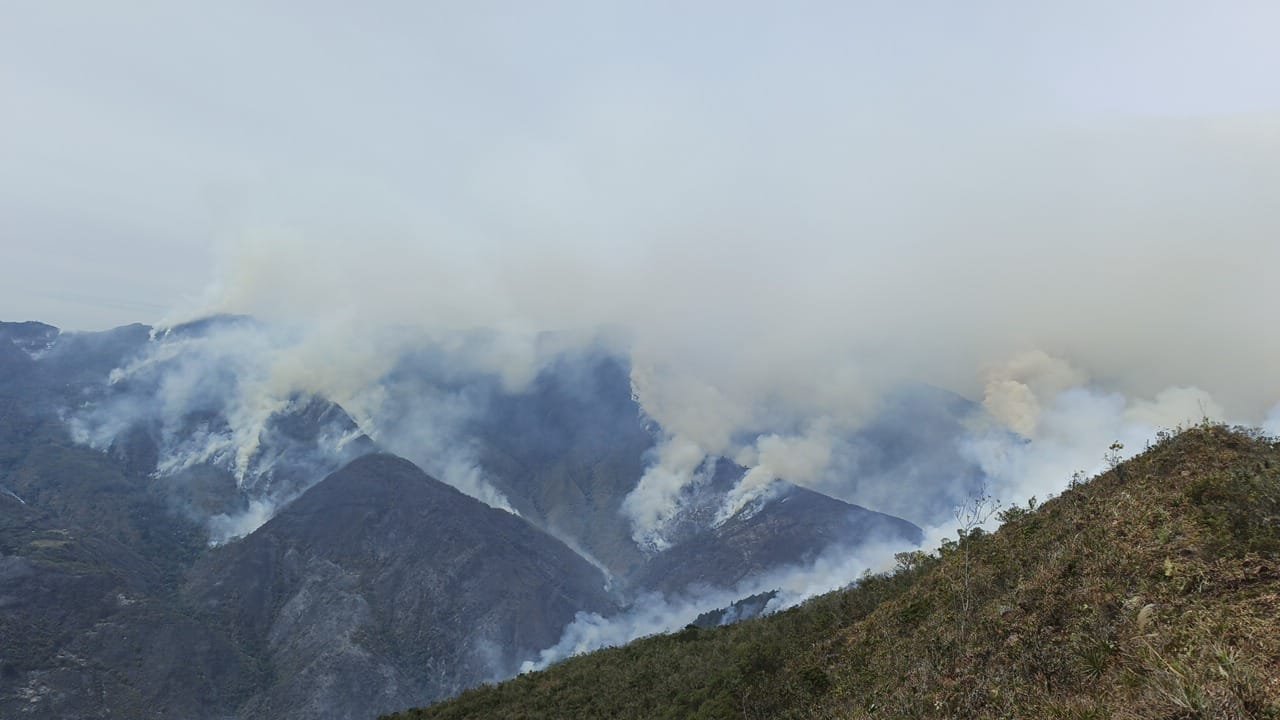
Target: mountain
(1152,591)
(378,587)
(569,449)
(32,338)
(179,540)
(909,459)
(180,463)
(88,624)
(68,367)
(115,605)
(48,369)
(794,527)
(381,587)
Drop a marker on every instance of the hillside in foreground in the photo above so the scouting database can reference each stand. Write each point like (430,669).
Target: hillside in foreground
(1152,591)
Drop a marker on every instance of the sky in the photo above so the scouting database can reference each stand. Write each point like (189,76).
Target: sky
(760,192)
(139,140)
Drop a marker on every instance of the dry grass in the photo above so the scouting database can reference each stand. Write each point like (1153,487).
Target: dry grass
(1124,597)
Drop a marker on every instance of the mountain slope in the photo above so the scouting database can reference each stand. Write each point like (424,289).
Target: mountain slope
(793,527)
(380,587)
(88,628)
(568,450)
(1151,592)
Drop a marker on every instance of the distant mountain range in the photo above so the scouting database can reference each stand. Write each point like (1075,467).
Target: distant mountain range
(175,543)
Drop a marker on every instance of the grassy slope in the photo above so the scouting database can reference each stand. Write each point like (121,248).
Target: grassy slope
(1152,591)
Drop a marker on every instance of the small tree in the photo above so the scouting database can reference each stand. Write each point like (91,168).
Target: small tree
(970,516)
(1114,458)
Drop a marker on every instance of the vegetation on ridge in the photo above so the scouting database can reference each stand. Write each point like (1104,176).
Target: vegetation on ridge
(1152,591)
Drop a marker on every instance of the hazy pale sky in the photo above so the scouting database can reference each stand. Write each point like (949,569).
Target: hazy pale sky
(139,140)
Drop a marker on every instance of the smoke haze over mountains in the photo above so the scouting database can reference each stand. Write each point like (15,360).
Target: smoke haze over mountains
(1069,215)
(1118,265)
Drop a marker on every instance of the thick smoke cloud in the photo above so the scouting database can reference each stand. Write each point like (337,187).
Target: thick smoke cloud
(225,396)
(223,393)
(1065,420)
(1128,259)
(1125,260)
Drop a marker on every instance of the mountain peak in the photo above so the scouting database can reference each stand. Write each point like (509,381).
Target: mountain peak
(378,566)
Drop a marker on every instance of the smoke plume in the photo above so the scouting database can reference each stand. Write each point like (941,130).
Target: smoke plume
(1125,259)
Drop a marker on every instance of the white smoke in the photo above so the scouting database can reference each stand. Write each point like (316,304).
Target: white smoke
(1075,431)
(655,613)
(765,280)
(780,218)
(1174,407)
(800,459)
(211,394)
(224,527)
(655,500)
(1271,425)
(227,372)
(466,475)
